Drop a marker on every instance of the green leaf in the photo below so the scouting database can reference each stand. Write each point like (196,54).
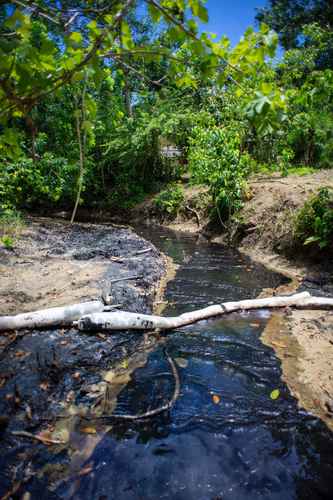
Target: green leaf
(154,13)
(275,394)
(75,37)
(311,239)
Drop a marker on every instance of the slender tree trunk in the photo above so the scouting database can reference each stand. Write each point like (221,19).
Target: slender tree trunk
(127,93)
(33,133)
(82,139)
(81,174)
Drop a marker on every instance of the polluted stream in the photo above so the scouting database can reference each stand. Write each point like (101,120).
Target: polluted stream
(234,432)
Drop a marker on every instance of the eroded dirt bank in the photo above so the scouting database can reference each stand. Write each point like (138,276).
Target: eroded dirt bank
(52,380)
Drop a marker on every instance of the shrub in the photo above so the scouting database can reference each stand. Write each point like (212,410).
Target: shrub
(169,201)
(25,183)
(314,222)
(215,159)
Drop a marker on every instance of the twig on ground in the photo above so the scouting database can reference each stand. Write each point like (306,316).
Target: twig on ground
(41,439)
(125,278)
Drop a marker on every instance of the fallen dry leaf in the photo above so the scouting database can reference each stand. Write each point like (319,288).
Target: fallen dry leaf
(89,430)
(216,399)
(21,354)
(109,376)
(278,344)
(182,362)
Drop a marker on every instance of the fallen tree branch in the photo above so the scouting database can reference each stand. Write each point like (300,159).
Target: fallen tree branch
(50,317)
(92,315)
(122,320)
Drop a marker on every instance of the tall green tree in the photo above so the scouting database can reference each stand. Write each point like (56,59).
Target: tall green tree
(288,17)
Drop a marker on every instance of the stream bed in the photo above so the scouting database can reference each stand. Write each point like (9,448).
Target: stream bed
(225,438)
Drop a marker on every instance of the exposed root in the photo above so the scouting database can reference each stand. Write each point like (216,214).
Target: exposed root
(195,213)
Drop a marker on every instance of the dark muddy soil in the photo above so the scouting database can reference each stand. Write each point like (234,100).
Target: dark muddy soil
(51,374)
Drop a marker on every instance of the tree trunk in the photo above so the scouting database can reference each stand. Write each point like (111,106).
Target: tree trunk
(33,133)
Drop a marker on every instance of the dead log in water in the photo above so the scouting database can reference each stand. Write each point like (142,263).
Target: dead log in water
(93,316)
(56,316)
(122,320)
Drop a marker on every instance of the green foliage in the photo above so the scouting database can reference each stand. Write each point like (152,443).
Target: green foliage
(131,86)
(215,159)
(169,201)
(27,184)
(314,222)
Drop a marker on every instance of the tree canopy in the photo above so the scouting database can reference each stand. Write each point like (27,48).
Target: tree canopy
(91,92)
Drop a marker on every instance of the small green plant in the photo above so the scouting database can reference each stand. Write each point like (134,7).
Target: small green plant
(7,242)
(284,161)
(169,201)
(314,222)
(301,170)
(11,225)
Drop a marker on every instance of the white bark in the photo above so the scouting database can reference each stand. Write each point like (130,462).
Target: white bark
(92,315)
(122,320)
(62,316)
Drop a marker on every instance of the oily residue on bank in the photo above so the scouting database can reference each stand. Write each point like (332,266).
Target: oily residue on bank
(226,437)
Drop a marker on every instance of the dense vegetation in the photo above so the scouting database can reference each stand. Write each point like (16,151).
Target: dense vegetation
(91,92)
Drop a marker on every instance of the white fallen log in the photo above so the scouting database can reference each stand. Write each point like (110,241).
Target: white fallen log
(122,320)
(56,316)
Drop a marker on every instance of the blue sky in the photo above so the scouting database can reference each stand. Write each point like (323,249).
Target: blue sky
(231,17)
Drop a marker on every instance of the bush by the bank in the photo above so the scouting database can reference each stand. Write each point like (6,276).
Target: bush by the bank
(314,222)
(169,201)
